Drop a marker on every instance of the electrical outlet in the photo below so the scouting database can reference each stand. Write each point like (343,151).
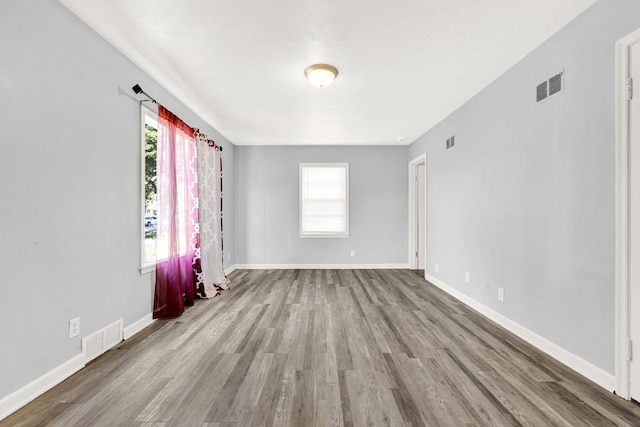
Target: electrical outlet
(436,268)
(74,327)
(353,252)
(229,257)
(500,294)
(466,277)
(487,289)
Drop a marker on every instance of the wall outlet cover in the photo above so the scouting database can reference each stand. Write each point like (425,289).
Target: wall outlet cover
(466,277)
(74,327)
(436,268)
(501,294)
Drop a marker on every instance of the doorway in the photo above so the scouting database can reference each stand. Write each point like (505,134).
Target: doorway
(418,213)
(628,217)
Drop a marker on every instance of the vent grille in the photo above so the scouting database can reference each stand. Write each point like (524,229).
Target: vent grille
(550,87)
(93,346)
(555,84)
(451,142)
(112,334)
(99,342)
(541,91)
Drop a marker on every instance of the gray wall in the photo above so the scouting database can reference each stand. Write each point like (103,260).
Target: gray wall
(525,199)
(70,187)
(267,206)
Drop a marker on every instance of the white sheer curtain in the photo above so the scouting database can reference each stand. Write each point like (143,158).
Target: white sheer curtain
(210,213)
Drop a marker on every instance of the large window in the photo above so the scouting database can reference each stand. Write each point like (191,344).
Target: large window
(324,199)
(149,136)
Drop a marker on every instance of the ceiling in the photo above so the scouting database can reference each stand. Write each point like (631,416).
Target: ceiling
(403,65)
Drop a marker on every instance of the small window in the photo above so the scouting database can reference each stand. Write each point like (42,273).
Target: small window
(149,137)
(324,199)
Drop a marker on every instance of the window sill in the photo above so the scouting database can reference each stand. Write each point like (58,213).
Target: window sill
(147,268)
(323,235)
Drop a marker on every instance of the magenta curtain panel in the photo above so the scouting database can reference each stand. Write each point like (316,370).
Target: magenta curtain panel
(177,236)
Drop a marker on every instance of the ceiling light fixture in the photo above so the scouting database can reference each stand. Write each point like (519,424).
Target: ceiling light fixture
(321,75)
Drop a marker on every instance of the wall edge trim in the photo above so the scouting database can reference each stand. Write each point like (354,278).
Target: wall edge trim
(597,375)
(137,326)
(19,398)
(401,266)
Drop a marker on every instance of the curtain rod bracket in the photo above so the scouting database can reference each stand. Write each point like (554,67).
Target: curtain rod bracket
(138,90)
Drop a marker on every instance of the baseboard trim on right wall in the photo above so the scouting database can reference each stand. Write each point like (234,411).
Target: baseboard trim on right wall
(592,372)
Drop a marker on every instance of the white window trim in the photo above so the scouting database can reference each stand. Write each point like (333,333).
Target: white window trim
(144,111)
(323,235)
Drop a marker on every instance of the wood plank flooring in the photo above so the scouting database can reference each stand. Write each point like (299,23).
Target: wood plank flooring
(327,348)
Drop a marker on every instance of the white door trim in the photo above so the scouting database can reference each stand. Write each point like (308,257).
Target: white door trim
(622,215)
(413,166)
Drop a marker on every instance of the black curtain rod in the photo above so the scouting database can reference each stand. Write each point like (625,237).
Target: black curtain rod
(138,90)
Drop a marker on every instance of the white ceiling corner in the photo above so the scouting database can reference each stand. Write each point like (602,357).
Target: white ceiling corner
(403,66)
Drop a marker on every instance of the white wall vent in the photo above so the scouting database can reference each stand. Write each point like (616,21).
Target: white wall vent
(99,342)
(451,142)
(550,87)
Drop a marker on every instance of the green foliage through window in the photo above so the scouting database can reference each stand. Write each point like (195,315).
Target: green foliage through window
(150,186)
(150,153)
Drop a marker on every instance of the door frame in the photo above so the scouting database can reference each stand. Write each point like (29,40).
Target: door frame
(413,244)
(622,218)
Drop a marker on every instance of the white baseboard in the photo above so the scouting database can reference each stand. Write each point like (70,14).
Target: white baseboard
(230,270)
(319,266)
(137,326)
(594,373)
(16,400)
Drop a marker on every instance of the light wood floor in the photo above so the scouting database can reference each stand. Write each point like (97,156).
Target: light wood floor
(326,348)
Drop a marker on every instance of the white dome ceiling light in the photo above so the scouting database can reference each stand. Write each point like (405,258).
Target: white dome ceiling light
(321,75)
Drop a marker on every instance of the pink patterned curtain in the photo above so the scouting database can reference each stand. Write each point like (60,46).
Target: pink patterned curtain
(177,237)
